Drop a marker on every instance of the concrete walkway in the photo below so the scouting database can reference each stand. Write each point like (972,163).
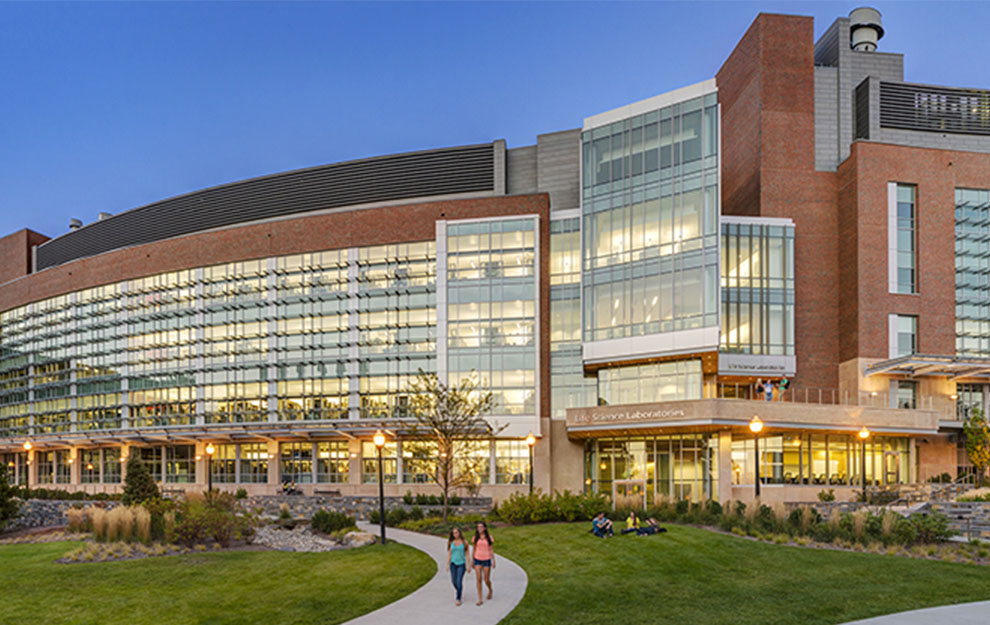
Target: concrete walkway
(962,614)
(434,602)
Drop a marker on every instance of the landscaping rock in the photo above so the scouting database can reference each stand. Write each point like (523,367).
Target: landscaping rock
(359,539)
(301,538)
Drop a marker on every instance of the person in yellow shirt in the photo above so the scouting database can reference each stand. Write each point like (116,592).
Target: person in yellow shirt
(632,523)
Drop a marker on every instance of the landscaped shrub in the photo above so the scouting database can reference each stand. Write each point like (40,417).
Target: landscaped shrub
(62,495)
(241,493)
(398,516)
(329,521)
(213,518)
(978,498)
(932,527)
(826,495)
(139,486)
(8,505)
(540,507)
(77,519)
(157,509)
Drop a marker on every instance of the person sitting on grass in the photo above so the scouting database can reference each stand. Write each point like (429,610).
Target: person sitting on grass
(601,526)
(632,523)
(652,527)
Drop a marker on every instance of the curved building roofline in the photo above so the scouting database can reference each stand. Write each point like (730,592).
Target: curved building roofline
(421,174)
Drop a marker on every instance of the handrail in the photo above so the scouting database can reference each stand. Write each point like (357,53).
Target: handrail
(833,396)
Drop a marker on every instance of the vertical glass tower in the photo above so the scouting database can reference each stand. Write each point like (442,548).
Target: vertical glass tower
(650,206)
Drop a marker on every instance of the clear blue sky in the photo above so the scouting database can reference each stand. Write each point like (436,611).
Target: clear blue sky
(108,106)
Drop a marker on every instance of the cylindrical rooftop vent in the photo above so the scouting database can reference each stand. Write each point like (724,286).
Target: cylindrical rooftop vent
(74,224)
(865,29)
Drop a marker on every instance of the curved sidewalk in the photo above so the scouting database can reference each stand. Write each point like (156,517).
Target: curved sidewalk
(434,602)
(962,614)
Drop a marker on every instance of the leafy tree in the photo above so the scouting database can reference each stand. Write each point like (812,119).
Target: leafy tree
(977,432)
(139,486)
(451,417)
(8,505)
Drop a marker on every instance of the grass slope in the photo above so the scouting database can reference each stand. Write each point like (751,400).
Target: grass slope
(206,589)
(690,575)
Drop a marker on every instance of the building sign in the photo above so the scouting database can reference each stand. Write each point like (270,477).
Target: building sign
(601,415)
(756,365)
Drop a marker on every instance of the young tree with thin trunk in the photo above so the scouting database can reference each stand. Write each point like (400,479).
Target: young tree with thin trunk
(977,432)
(8,505)
(451,418)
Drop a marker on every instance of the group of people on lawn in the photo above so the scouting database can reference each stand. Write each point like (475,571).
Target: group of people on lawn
(601,526)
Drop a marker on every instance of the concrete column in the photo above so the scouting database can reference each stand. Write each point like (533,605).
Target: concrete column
(273,464)
(75,467)
(724,466)
(354,462)
(32,470)
(125,453)
(201,463)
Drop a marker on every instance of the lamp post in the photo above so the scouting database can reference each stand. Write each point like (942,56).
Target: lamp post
(210,449)
(27,458)
(530,440)
(863,435)
(756,426)
(379,443)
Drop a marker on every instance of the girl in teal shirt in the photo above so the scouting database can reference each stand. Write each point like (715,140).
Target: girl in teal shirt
(457,560)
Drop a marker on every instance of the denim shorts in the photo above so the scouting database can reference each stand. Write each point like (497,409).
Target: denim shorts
(487,563)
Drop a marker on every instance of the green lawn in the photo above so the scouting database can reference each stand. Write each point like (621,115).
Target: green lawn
(209,588)
(690,575)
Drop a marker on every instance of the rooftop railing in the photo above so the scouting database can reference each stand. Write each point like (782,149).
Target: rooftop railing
(833,396)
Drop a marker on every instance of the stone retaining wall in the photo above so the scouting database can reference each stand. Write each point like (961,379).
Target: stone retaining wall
(357,506)
(50,512)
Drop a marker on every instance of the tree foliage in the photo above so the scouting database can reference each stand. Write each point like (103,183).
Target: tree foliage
(977,432)
(139,486)
(8,505)
(452,419)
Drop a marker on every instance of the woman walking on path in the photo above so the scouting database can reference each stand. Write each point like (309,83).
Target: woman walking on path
(484,558)
(457,560)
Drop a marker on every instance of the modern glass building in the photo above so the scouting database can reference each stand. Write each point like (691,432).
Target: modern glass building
(782,243)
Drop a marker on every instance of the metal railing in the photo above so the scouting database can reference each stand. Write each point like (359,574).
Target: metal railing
(837,397)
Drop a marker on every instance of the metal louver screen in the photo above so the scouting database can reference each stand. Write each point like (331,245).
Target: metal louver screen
(934,109)
(463,169)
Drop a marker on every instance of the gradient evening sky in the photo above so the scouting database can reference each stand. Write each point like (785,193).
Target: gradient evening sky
(109,106)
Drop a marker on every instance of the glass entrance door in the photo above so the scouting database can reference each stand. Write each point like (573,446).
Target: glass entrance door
(892,467)
(629,494)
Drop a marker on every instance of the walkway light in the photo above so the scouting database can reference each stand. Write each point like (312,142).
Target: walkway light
(756,426)
(530,440)
(379,439)
(863,435)
(210,449)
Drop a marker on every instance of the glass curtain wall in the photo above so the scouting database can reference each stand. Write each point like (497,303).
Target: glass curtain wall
(972,273)
(680,466)
(821,459)
(656,382)
(569,387)
(650,208)
(491,291)
(757,289)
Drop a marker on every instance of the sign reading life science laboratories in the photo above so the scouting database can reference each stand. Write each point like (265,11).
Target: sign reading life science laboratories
(757,365)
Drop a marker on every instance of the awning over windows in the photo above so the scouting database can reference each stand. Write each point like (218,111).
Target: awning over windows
(918,365)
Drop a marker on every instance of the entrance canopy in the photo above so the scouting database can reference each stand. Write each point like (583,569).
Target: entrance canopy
(945,366)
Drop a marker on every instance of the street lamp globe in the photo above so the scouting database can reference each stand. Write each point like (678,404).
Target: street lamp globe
(864,433)
(210,449)
(27,445)
(379,439)
(530,439)
(756,425)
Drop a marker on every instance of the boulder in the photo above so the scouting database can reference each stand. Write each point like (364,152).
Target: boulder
(359,539)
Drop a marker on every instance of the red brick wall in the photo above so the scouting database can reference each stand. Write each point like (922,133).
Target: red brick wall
(15,253)
(377,226)
(937,174)
(767,93)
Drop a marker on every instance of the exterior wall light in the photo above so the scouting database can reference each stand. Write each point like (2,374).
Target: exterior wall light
(210,449)
(756,426)
(863,435)
(530,440)
(379,439)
